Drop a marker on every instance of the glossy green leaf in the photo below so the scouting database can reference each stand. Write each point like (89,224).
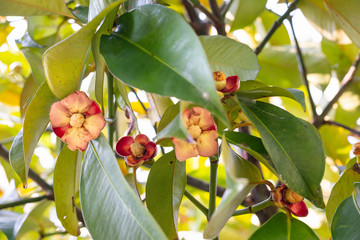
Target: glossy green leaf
(159,105)
(66,173)
(294,94)
(96,6)
(36,120)
(230,57)
(33,56)
(252,145)
(345,14)
(105,28)
(81,13)
(342,189)
(245,12)
(71,54)
(16,157)
(33,7)
(7,223)
(293,145)
(142,53)
(276,229)
(164,190)
(344,224)
(119,211)
(28,92)
(240,178)
(356,196)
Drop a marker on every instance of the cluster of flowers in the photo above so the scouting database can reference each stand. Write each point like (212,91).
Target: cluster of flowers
(77,119)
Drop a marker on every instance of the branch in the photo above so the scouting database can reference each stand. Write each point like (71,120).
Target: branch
(199,26)
(302,68)
(24,201)
(342,126)
(345,83)
(254,208)
(198,204)
(4,153)
(275,26)
(202,185)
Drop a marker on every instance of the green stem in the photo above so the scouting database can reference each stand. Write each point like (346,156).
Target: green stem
(110,81)
(254,208)
(201,207)
(213,185)
(22,201)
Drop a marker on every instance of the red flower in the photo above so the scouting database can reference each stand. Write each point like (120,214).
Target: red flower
(76,119)
(356,149)
(285,198)
(203,130)
(136,151)
(226,84)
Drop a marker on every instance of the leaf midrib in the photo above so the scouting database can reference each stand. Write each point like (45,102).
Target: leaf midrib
(119,195)
(278,143)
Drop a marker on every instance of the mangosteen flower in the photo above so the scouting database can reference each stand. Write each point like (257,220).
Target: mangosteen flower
(285,198)
(203,130)
(76,120)
(356,149)
(136,150)
(226,84)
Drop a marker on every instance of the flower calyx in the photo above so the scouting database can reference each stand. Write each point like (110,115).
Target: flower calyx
(289,200)
(226,84)
(203,130)
(76,120)
(137,150)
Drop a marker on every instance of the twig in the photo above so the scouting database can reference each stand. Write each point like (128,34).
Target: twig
(111,108)
(220,24)
(137,97)
(202,185)
(201,207)
(342,126)
(254,208)
(203,9)
(23,201)
(213,184)
(4,153)
(275,26)
(345,83)
(226,8)
(302,68)
(199,26)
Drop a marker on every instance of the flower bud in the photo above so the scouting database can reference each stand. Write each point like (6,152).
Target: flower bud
(356,149)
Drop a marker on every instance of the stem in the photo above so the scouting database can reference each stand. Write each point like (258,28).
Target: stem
(226,9)
(201,207)
(202,185)
(111,110)
(343,126)
(23,201)
(302,69)
(219,25)
(345,83)
(254,208)
(275,26)
(213,184)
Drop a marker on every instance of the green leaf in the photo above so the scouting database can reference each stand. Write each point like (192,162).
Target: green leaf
(245,12)
(294,94)
(7,223)
(16,157)
(164,190)
(33,7)
(142,48)
(119,211)
(346,15)
(344,224)
(66,176)
(64,78)
(36,120)
(293,145)
(356,196)
(251,85)
(28,92)
(33,56)
(81,13)
(240,180)
(276,229)
(105,28)
(342,189)
(230,57)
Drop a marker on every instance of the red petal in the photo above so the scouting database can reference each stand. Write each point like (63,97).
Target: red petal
(142,139)
(93,109)
(77,102)
(131,161)
(123,146)
(59,115)
(232,84)
(150,151)
(299,209)
(60,131)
